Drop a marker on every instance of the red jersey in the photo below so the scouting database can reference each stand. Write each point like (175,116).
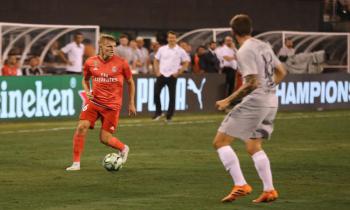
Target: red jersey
(107,80)
(9,71)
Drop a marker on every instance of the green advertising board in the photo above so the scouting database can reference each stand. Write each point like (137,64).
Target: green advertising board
(36,97)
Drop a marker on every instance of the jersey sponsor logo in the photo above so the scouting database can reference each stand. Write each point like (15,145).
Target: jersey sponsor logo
(105,78)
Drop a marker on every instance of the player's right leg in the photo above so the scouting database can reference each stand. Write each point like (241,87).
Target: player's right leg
(78,144)
(231,163)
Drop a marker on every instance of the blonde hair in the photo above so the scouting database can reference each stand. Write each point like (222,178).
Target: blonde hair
(106,37)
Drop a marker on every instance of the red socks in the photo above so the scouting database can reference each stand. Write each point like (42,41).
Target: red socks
(116,144)
(78,146)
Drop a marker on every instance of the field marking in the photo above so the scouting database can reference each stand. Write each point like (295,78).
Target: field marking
(139,123)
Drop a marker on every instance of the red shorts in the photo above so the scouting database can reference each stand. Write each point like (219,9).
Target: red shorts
(109,117)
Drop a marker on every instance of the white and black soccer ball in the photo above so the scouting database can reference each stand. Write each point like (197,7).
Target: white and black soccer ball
(112,162)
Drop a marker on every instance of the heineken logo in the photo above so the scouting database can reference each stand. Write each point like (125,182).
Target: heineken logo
(36,101)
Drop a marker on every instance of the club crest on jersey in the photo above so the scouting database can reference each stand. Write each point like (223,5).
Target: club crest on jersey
(114,69)
(95,66)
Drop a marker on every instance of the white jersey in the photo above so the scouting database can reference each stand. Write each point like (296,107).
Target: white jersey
(257,57)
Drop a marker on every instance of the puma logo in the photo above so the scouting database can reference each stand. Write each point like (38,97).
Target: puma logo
(191,85)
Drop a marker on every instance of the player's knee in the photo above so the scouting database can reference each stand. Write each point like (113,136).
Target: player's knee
(104,138)
(82,128)
(218,143)
(252,148)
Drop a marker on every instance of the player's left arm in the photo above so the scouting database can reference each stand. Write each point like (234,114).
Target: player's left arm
(251,83)
(131,86)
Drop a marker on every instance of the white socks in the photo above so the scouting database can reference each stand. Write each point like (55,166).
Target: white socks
(231,163)
(262,165)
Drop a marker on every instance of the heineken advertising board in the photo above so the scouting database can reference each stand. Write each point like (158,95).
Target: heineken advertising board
(39,97)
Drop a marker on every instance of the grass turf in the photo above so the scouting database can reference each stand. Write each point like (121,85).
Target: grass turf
(174,166)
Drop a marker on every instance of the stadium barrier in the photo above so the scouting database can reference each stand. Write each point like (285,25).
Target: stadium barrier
(40,97)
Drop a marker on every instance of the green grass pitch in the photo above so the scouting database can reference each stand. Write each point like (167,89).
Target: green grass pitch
(174,166)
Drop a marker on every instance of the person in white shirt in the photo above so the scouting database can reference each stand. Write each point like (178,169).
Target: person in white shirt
(170,62)
(229,63)
(287,50)
(75,53)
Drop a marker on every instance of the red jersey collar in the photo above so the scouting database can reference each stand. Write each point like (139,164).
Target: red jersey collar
(105,61)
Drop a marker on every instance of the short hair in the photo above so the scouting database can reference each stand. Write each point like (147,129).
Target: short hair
(78,33)
(212,42)
(172,33)
(241,25)
(123,36)
(200,46)
(107,37)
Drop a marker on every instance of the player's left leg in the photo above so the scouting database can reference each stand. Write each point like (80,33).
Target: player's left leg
(262,165)
(109,125)
(108,139)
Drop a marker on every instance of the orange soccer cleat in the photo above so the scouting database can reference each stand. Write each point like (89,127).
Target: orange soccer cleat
(238,191)
(267,196)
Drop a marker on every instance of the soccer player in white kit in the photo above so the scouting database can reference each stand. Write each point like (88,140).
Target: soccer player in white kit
(252,119)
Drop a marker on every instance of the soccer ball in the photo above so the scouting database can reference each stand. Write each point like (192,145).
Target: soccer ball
(112,162)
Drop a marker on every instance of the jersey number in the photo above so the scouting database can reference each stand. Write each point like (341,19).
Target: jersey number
(269,68)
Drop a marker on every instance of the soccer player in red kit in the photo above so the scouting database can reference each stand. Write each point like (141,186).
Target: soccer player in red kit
(107,72)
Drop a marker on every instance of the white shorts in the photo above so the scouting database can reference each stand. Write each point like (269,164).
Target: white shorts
(247,122)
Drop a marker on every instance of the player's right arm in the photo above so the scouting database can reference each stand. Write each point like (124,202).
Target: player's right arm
(251,83)
(86,81)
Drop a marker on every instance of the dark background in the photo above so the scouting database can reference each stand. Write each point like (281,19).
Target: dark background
(180,15)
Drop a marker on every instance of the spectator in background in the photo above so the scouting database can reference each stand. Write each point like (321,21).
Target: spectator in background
(89,49)
(135,61)
(34,68)
(144,56)
(123,50)
(10,67)
(229,63)
(52,55)
(188,49)
(209,62)
(154,47)
(218,52)
(170,62)
(287,50)
(75,53)
(197,59)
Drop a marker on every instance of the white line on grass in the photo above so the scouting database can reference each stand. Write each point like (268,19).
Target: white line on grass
(139,123)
